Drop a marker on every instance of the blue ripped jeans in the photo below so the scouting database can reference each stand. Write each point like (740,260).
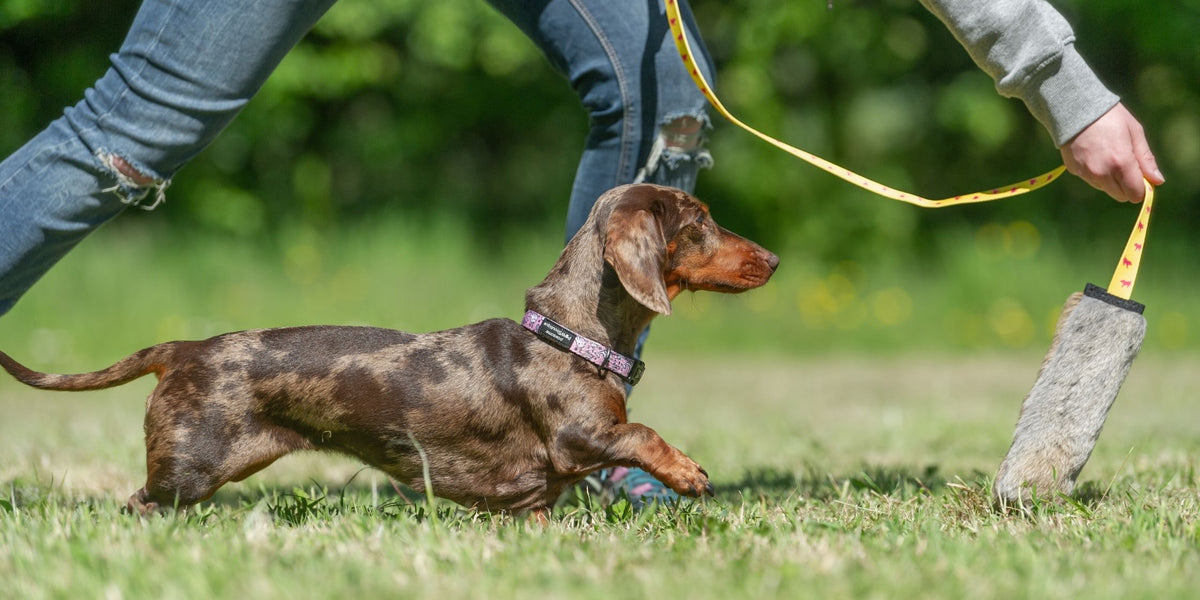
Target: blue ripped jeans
(188,67)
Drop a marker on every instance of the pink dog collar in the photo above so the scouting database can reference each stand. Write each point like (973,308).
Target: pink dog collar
(628,369)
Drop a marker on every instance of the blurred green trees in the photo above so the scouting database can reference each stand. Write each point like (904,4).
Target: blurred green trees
(432,107)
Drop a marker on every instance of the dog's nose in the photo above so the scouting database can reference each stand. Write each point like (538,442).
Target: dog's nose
(772,261)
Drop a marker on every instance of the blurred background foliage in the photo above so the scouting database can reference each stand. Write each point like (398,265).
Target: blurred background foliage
(420,107)
(428,111)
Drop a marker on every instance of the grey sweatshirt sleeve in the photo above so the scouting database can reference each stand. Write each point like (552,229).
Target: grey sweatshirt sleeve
(1029,50)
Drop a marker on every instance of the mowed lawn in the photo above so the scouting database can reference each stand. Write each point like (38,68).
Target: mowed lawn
(836,477)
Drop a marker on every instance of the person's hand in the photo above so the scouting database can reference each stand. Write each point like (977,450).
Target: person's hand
(1112,155)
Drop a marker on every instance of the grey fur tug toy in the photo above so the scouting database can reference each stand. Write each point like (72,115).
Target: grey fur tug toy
(1097,337)
(1095,342)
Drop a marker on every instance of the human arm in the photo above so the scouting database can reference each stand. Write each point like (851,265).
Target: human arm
(1028,48)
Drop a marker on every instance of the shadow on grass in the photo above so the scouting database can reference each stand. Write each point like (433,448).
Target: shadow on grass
(297,504)
(816,484)
(380,498)
(903,483)
(764,483)
(293,504)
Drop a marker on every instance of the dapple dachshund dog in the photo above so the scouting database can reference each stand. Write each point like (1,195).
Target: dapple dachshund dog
(506,414)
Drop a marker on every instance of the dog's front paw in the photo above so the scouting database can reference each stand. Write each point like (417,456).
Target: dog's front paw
(685,477)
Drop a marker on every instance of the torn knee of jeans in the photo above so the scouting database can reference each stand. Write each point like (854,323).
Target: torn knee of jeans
(684,133)
(133,187)
(678,152)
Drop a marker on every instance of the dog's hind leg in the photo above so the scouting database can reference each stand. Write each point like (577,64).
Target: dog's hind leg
(196,443)
(179,475)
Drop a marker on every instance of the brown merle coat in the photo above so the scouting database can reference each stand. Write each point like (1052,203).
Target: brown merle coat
(506,420)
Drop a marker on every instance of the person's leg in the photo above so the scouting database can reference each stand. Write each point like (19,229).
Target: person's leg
(647,119)
(647,122)
(186,68)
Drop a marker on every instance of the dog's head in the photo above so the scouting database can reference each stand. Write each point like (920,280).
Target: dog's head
(661,241)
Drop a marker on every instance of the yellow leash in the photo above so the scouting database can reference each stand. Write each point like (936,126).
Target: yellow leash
(1121,285)
(1123,279)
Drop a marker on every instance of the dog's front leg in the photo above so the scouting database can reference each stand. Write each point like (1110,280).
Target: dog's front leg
(635,445)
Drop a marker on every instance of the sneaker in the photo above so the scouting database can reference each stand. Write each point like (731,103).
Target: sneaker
(635,485)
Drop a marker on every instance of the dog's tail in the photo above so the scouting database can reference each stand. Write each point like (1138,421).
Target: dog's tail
(149,360)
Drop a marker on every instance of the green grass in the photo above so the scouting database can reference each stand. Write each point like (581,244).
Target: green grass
(835,478)
(851,459)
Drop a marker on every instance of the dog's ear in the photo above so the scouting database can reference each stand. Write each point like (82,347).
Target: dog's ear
(635,247)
